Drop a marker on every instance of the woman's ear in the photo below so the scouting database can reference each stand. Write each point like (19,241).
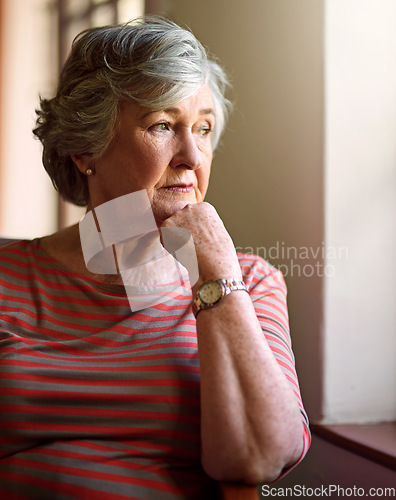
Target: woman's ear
(83,162)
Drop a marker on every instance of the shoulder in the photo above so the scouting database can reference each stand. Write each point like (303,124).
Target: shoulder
(17,256)
(10,246)
(14,267)
(7,241)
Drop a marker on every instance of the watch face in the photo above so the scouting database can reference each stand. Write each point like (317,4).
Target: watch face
(211,292)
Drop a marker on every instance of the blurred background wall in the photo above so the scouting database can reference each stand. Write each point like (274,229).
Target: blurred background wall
(305,175)
(28,66)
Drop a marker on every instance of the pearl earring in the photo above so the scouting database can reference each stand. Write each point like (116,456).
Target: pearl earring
(89,171)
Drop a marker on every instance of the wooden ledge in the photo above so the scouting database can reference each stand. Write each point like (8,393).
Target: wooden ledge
(376,442)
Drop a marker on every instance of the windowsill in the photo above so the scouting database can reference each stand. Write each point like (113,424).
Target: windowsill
(376,442)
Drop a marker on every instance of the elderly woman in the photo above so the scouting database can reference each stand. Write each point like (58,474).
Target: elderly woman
(98,400)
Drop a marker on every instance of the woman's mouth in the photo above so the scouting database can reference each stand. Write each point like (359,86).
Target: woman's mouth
(180,188)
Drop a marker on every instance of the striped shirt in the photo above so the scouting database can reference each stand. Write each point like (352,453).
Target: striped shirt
(98,402)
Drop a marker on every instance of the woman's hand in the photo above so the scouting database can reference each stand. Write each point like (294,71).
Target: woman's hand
(213,245)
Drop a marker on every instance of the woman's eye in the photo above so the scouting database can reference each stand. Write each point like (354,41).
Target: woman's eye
(204,132)
(160,126)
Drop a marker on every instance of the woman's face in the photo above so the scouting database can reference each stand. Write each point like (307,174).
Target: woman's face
(168,153)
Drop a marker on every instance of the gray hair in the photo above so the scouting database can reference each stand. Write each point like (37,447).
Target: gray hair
(151,61)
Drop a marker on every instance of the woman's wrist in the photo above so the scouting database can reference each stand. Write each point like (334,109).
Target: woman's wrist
(213,292)
(236,276)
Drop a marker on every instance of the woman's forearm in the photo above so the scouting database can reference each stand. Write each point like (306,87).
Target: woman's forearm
(251,425)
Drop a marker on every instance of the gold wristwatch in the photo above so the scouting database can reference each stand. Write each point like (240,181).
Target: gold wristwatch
(212,292)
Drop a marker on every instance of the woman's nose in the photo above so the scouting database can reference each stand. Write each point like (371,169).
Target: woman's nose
(186,153)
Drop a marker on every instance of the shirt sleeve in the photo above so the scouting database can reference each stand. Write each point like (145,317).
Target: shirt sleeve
(267,290)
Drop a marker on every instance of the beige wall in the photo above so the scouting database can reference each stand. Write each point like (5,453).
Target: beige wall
(267,180)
